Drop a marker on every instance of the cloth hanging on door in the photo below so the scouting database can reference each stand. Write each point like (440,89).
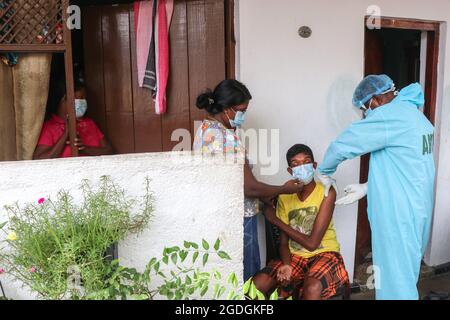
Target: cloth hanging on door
(150,70)
(152,41)
(143,24)
(31,83)
(165,12)
(23,92)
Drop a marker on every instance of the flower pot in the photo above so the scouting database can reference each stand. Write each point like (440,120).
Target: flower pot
(112,252)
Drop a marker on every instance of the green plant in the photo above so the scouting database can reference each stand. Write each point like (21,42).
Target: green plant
(178,274)
(57,248)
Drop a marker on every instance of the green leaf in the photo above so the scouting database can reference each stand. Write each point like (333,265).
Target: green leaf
(165,260)
(152,262)
(260,295)
(205,244)
(195,256)
(217,245)
(217,275)
(216,291)
(174,258)
(187,244)
(223,255)
(194,245)
(247,285)
(253,291)
(156,267)
(205,258)
(204,291)
(183,255)
(172,250)
(290,298)
(232,279)
(274,295)
(3,224)
(222,291)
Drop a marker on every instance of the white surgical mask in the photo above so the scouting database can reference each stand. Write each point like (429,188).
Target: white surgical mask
(304,173)
(80,107)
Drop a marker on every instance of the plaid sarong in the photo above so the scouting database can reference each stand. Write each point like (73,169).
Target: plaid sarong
(327,267)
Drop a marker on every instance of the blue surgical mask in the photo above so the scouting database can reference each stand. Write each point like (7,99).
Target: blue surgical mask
(80,107)
(238,120)
(304,173)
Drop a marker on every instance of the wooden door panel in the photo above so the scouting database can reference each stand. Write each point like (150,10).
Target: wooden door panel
(206,32)
(147,124)
(117,75)
(94,66)
(177,116)
(121,132)
(116,59)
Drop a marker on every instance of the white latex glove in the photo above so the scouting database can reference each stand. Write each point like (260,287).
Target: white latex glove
(327,182)
(353,193)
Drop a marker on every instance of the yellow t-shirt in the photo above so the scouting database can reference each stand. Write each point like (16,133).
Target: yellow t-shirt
(301,215)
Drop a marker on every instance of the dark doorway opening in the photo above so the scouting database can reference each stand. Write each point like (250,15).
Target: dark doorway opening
(406,50)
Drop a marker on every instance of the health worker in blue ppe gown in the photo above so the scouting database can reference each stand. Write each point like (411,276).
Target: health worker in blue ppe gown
(400,188)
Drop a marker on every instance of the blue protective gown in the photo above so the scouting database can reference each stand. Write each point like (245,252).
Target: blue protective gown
(401,187)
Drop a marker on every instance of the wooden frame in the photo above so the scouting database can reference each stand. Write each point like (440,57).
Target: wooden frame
(66,49)
(230,40)
(433,29)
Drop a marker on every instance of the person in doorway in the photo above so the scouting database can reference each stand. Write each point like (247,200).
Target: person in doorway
(400,189)
(227,106)
(309,251)
(54,139)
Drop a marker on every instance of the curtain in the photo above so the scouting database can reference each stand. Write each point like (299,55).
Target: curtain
(25,88)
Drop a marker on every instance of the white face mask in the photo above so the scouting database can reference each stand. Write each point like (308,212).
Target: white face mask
(80,107)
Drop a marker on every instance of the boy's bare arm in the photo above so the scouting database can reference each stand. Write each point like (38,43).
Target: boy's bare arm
(285,253)
(310,242)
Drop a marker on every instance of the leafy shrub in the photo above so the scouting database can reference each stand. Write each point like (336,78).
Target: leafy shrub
(180,272)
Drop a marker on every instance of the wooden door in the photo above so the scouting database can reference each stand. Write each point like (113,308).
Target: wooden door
(123,110)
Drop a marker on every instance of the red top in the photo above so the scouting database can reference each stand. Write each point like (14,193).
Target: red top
(53,130)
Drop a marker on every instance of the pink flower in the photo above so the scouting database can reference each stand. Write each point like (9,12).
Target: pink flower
(41,200)
(2,271)
(33,269)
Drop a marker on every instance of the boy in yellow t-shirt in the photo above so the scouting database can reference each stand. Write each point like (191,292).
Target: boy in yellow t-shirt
(309,250)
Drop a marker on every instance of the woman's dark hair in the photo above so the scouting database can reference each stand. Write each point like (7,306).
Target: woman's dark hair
(227,94)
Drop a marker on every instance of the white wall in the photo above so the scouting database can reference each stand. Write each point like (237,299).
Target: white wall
(304,87)
(195,197)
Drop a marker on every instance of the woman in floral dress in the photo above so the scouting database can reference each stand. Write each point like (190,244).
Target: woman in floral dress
(226,107)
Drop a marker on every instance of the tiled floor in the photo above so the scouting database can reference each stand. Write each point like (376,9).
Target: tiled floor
(436,284)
